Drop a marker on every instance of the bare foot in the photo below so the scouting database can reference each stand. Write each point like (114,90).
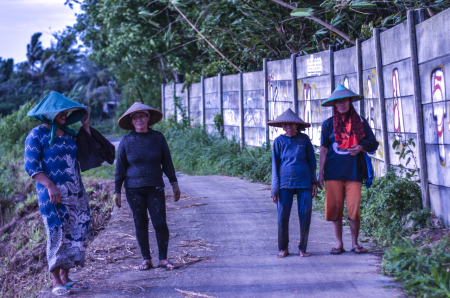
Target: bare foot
(283,253)
(147,264)
(60,291)
(304,254)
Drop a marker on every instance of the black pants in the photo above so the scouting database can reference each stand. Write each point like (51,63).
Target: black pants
(152,199)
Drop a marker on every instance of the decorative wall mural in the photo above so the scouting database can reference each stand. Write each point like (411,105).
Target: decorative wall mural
(439,110)
(397,102)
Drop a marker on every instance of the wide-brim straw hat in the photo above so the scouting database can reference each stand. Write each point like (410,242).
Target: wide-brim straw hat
(288,117)
(154,116)
(341,92)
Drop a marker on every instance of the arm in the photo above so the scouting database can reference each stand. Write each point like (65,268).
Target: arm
(169,170)
(322,162)
(312,166)
(33,166)
(121,170)
(275,189)
(368,144)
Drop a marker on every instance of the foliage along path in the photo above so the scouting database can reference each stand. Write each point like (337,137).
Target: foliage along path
(224,230)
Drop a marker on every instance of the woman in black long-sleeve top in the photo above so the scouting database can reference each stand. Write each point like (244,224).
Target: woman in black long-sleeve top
(142,157)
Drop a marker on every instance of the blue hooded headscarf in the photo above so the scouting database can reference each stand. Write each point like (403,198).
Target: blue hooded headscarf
(53,104)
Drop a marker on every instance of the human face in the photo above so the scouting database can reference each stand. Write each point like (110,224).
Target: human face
(61,117)
(342,104)
(140,121)
(290,129)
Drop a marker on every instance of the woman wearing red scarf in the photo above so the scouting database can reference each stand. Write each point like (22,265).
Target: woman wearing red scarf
(345,137)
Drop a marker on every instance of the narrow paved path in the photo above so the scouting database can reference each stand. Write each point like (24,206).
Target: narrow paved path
(227,226)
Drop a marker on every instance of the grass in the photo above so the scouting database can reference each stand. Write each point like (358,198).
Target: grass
(104,172)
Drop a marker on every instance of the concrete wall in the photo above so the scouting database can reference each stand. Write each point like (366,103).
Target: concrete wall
(403,74)
(314,85)
(254,120)
(212,104)
(169,106)
(433,53)
(182,99)
(231,119)
(195,103)
(281,91)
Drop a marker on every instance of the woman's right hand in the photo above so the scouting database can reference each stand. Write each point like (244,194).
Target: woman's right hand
(118,200)
(321,181)
(275,199)
(54,194)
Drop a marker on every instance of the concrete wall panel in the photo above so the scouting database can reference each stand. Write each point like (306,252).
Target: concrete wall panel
(440,201)
(230,83)
(395,157)
(182,100)
(231,132)
(368,54)
(398,79)
(231,110)
(438,164)
(350,81)
(254,136)
(435,80)
(432,36)
(345,61)
(318,61)
(400,115)
(279,70)
(195,90)
(280,99)
(395,45)
(436,123)
(196,110)
(211,85)
(253,80)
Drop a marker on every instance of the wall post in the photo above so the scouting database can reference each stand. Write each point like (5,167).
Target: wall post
(175,101)
(294,81)
(203,100)
(241,109)
(266,100)
(188,105)
(331,50)
(359,75)
(380,83)
(220,94)
(163,101)
(419,113)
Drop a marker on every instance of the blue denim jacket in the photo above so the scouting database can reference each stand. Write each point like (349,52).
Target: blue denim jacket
(293,163)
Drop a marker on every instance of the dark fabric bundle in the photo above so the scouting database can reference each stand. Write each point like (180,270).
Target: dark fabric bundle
(368,146)
(93,149)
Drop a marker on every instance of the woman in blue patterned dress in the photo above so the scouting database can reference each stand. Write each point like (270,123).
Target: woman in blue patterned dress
(51,159)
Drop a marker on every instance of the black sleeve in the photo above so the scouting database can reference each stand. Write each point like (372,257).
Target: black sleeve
(311,160)
(166,162)
(121,166)
(369,142)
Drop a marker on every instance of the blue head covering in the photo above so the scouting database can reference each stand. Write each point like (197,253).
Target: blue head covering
(53,104)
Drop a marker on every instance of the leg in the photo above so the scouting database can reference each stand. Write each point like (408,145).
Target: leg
(57,282)
(156,204)
(137,199)
(353,197)
(334,210)
(64,274)
(304,200)
(284,211)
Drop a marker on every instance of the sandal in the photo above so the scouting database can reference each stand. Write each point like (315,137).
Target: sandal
(359,250)
(147,266)
(337,251)
(59,289)
(169,266)
(69,285)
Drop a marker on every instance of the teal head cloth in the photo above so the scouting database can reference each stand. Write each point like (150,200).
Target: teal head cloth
(53,104)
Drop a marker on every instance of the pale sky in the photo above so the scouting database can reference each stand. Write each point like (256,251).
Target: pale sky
(20,19)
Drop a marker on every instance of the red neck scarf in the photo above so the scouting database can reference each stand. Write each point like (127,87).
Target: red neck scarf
(348,128)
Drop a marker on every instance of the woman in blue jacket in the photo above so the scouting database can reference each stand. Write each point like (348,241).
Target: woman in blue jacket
(293,172)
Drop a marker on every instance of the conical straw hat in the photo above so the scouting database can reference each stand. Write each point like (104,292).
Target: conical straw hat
(340,92)
(125,121)
(288,117)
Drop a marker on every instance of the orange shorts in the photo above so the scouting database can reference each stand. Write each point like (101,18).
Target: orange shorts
(336,191)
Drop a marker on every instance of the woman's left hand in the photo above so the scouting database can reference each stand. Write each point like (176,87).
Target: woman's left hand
(314,190)
(176,191)
(355,149)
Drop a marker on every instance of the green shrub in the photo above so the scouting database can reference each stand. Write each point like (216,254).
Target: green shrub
(392,207)
(14,128)
(424,270)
